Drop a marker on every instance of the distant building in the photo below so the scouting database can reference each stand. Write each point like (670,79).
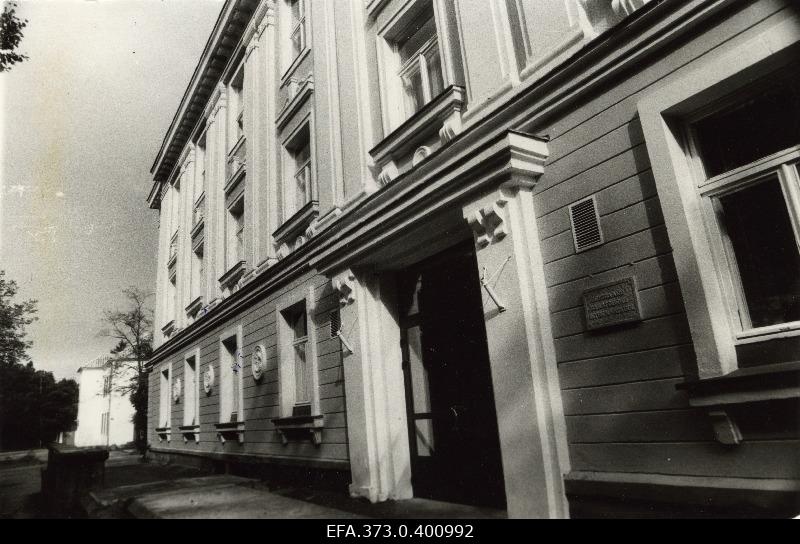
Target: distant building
(535,254)
(105,416)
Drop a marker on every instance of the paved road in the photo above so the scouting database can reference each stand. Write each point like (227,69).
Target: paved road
(18,485)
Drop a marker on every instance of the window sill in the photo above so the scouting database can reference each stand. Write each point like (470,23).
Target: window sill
(194,306)
(442,115)
(168,329)
(190,432)
(229,278)
(232,430)
(755,384)
(298,60)
(299,96)
(236,164)
(163,433)
(197,233)
(764,334)
(300,426)
(297,223)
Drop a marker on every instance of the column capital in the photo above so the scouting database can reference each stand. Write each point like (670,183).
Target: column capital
(344,284)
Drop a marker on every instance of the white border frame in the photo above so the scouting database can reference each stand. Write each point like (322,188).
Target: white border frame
(662,111)
(224,374)
(286,384)
(197,379)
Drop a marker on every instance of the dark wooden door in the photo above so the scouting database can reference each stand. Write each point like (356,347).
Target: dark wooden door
(455,450)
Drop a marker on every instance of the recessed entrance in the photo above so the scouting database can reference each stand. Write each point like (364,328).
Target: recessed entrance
(454,444)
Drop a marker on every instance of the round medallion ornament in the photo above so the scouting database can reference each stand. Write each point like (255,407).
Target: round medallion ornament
(176,390)
(208,379)
(259,362)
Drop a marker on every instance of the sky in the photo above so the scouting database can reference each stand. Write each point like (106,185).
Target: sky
(80,124)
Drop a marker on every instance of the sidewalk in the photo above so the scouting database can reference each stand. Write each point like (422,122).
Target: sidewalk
(227,496)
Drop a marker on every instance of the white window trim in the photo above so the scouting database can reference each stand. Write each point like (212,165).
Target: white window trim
(186,385)
(288,169)
(393,100)
(162,396)
(226,374)
(286,342)
(662,115)
(290,62)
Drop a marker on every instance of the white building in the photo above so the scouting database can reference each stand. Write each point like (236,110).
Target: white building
(105,416)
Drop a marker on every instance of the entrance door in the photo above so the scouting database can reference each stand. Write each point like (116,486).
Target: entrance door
(455,450)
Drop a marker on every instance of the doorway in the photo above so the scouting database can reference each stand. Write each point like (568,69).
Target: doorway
(452,420)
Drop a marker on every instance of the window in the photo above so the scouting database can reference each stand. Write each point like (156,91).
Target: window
(106,386)
(298,186)
(236,102)
(198,271)
(726,176)
(746,157)
(296,28)
(235,232)
(232,367)
(164,398)
(296,355)
(421,65)
(191,398)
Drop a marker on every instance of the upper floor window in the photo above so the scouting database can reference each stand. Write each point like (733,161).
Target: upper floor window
(235,231)
(746,156)
(298,184)
(420,62)
(295,29)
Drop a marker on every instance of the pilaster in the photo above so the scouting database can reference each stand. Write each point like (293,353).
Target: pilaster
(376,413)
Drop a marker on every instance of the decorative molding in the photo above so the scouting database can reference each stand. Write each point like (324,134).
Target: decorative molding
(422,153)
(258,362)
(441,116)
(725,429)
(343,284)
(190,432)
(218,100)
(488,224)
(176,390)
(299,93)
(208,380)
(598,16)
(388,173)
(310,426)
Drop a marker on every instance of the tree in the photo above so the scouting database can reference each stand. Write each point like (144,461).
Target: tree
(133,330)
(14,317)
(10,36)
(34,408)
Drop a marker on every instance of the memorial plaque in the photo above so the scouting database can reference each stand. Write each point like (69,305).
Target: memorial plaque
(612,304)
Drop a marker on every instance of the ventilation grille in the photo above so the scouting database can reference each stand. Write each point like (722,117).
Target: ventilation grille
(336,324)
(585,224)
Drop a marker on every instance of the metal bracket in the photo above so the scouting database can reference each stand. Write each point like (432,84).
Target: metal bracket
(490,290)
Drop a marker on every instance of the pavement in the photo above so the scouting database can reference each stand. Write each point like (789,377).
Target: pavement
(136,489)
(234,497)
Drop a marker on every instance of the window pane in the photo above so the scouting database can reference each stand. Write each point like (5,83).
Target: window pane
(297,41)
(300,378)
(416,34)
(412,85)
(760,230)
(301,193)
(299,325)
(765,124)
(434,63)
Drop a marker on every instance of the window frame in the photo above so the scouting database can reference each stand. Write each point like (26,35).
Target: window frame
(393,99)
(165,397)
(289,27)
(235,239)
(663,111)
(227,375)
(287,343)
(191,355)
(291,169)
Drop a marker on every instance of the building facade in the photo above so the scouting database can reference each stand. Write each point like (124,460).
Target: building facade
(105,415)
(491,252)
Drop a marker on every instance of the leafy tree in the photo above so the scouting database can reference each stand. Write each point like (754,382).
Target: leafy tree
(10,36)
(133,330)
(34,408)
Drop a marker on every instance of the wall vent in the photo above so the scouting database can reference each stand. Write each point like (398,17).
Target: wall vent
(336,324)
(586,231)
